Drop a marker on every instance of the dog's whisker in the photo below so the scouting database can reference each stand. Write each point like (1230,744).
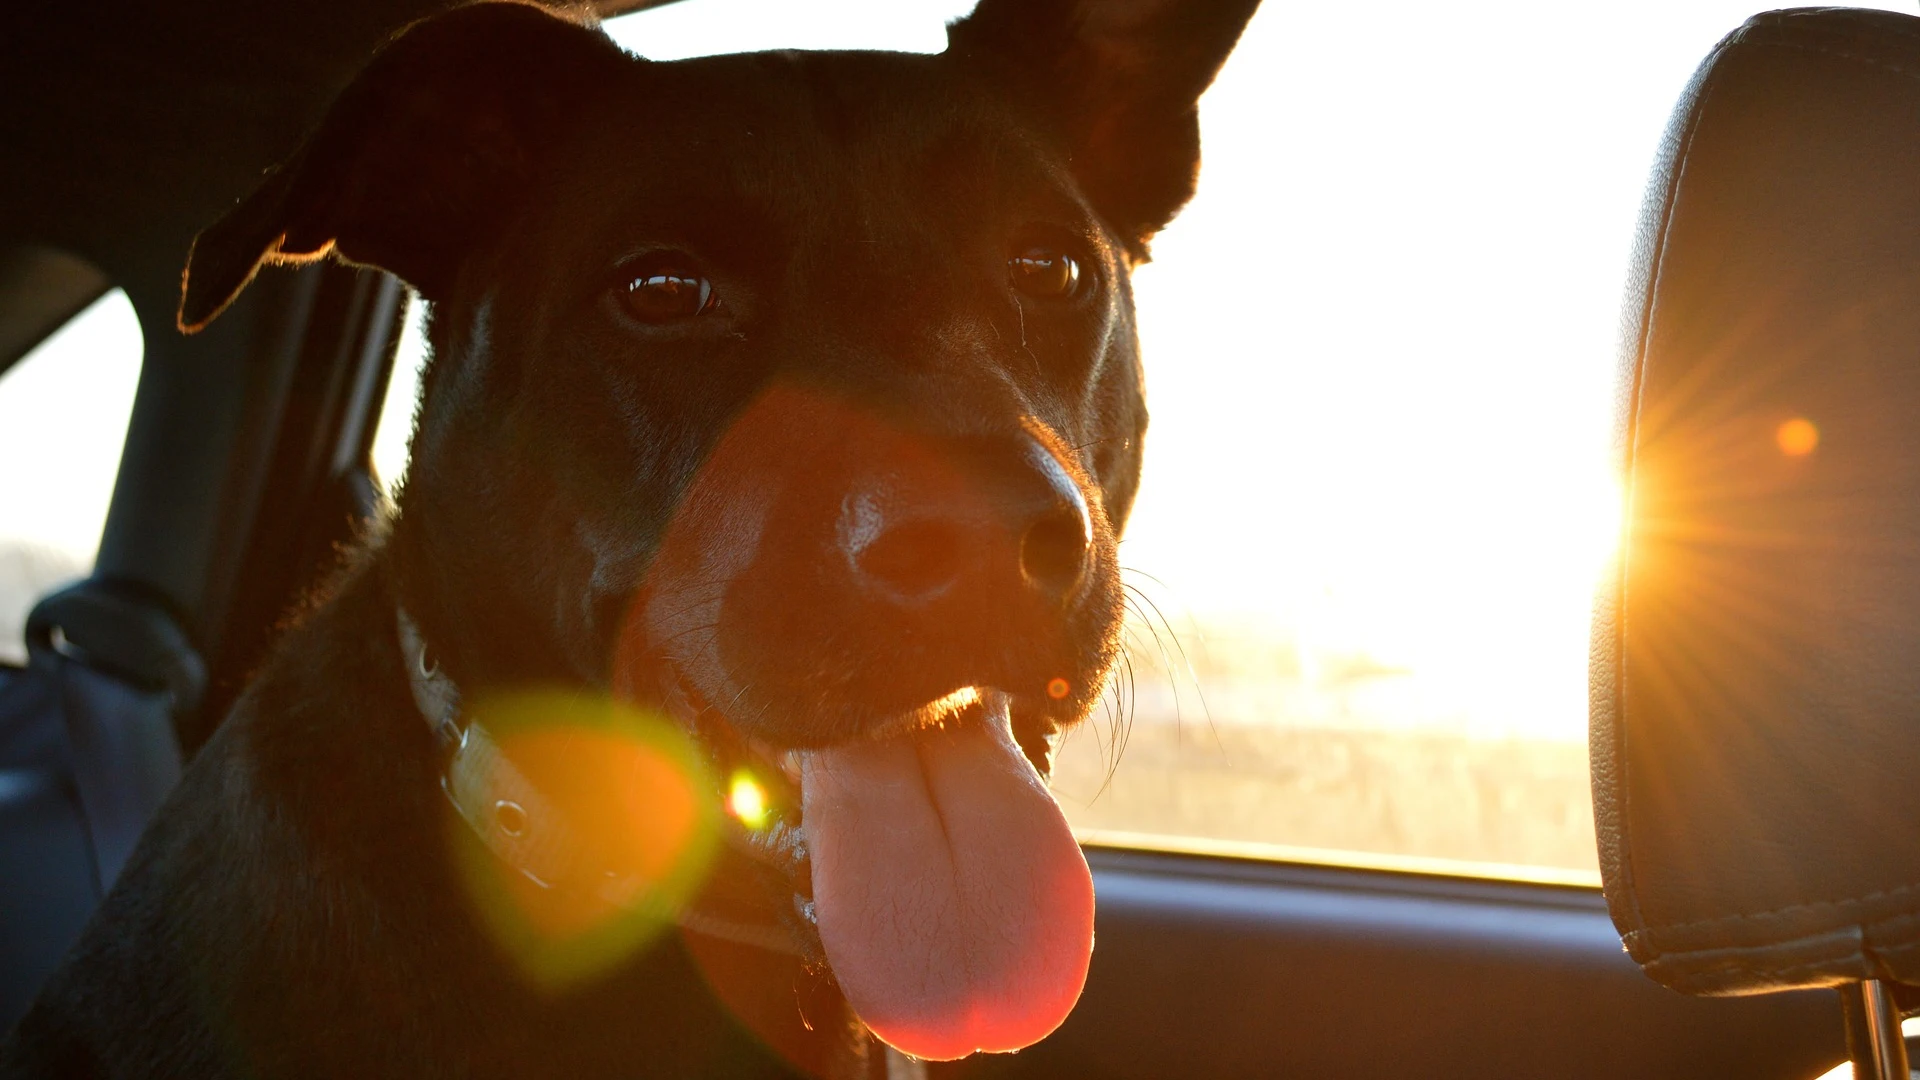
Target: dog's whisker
(1116,695)
(1108,441)
(1137,572)
(1135,593)
(1123,720)
(693,629)
(719,588)
(679,636)
(1138,596)
(742,692)
(1140,623)
(1038,368)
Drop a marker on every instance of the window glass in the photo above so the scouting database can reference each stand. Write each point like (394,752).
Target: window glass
(1378,493)
(63,419)
(1381,348)
(395,426)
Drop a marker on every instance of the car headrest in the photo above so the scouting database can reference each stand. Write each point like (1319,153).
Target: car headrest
(1756,666)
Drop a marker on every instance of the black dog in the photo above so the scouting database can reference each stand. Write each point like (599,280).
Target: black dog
(792,396)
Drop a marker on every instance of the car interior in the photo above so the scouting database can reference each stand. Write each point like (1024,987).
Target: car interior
(1744,899)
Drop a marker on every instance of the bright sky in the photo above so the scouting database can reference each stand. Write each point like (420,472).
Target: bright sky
(63,416)
(1380,343)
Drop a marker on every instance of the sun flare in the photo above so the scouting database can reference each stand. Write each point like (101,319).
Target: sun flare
(747,800)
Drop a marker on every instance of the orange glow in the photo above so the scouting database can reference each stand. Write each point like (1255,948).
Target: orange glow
(1797,437)
(630,808)
(626,826)
(1058,688)
(747,801)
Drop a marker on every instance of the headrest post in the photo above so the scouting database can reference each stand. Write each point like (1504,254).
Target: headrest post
(1874,1041)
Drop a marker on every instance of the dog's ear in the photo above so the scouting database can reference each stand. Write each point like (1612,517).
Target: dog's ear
(1122,79)
(416,160)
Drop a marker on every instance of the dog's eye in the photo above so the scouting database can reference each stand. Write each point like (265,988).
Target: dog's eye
(661,293)
(1045,272)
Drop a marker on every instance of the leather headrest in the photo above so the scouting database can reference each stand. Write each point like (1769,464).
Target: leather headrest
(1756,670)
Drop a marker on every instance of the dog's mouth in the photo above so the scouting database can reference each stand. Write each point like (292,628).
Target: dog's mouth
(929,865)
(870,601)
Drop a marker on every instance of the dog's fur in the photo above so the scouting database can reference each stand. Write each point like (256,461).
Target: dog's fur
(293,911)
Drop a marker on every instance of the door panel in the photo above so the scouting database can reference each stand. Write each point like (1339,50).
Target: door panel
(1231,968)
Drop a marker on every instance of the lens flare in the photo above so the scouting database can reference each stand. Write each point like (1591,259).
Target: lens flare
(1058,688)
(603,827)
(1797,437)
(746,800)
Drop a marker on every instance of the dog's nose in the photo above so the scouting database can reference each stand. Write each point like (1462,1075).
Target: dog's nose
(912,561)
(1058,539)
(1026,524)
(1053,554)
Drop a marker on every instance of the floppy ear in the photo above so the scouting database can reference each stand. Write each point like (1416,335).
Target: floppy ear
(417,160)
(1122,79)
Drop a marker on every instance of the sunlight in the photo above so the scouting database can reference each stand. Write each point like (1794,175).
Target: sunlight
(747,800)
(1909,1027)
(64,407)
(395,425)
(678,31)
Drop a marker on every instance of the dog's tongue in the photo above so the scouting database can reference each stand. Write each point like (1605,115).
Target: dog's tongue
(954,904)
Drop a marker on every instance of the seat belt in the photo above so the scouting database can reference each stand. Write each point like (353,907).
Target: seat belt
(121,668)
(87,754)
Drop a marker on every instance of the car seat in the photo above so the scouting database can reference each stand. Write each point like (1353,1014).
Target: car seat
(1756,661)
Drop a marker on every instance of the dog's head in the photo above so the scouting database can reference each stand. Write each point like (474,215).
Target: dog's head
(796,393)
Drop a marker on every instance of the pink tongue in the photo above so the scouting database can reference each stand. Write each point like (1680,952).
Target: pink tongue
(954,904)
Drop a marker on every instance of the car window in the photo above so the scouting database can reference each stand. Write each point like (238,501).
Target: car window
(395,426)
(63,419)
(1379,488)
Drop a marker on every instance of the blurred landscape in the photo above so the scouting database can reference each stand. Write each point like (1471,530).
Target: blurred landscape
(1247,740)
